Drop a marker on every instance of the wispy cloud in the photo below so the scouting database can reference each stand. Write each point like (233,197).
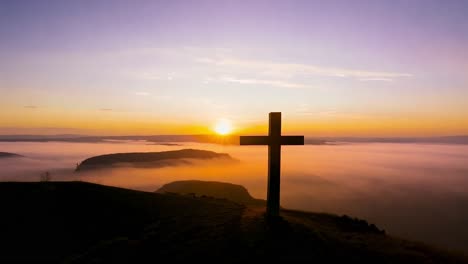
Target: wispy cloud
(31,106)
(294,69)
(106,109)
(151,75)
(264,82)
(376,79)
(306,110)
(209,64)
(142,93)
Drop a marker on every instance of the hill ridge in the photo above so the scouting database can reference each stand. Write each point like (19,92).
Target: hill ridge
(149,159)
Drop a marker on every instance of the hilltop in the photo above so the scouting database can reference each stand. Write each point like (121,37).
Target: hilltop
(150,159)
(77,222)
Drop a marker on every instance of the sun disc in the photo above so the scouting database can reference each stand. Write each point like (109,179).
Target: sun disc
(223,127)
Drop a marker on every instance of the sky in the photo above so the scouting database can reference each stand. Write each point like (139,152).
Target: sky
(333,68)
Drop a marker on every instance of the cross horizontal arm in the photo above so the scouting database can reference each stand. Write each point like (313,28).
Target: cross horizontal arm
(292,140)
(254,140)
(266,140)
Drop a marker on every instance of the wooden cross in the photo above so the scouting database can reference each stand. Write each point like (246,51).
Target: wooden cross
(274,140)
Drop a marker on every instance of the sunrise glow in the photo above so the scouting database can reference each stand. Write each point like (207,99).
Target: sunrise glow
(223,127)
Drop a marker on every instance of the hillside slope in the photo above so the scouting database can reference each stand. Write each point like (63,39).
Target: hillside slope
(79,222)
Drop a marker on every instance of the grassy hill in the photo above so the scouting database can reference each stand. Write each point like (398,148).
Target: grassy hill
(149,159)
(76,222)
(229,191)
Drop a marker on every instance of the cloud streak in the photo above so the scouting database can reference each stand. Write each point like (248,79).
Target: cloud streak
(294,69)
(265,82)
(376,79)
(248,71)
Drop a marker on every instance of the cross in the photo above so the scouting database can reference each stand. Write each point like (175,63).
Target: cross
(274,140)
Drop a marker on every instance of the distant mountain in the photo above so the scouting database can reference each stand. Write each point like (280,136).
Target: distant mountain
(233,192)
(230,139)
(77,222)
(150,159)
(9,155)
(37,137)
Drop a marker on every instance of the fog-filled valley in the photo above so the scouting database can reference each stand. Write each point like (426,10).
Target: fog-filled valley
(414,191)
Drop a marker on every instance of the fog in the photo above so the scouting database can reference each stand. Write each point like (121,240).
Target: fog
(414,191)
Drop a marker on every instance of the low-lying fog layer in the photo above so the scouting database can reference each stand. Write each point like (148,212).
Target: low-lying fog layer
(414,191)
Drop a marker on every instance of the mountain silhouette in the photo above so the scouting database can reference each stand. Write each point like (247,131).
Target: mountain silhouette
(77,222)
(150,159)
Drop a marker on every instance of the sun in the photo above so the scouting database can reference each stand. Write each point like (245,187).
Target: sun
(223,127)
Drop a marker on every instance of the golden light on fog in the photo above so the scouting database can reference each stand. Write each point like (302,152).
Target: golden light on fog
(223,127)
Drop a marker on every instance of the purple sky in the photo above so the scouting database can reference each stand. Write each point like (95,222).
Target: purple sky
(389,67)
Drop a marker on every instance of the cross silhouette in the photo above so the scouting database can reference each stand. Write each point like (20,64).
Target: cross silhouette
(274,140)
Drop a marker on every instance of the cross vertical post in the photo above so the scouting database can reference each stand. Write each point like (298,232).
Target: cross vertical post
(274,140)
(274,164)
